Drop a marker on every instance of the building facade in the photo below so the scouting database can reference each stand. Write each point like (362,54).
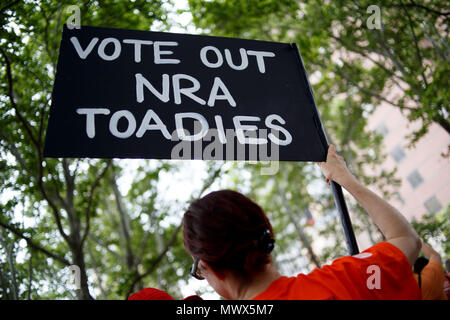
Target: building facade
(423,169)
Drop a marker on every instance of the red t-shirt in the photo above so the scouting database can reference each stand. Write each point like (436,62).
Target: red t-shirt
(380,272)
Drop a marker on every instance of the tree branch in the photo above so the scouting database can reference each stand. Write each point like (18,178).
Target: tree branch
(34,245)
(443,55)
(13,149)
(97,273)
(46,37)
(142,246)
(19,115)
(367,56)
(367,91)
(41,121)
(301,233)
(372,93)
(9,247)
(124,223)
(9,5)
(161,255)
(57,196)
(4,286)
(91,197)
(104,245)
(156,261)
(36,143)
(30,275)
(419,6)
(70,187)
(416,44)
(388,50)
(67,176)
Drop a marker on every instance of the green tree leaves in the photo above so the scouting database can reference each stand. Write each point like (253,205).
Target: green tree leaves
(115,221)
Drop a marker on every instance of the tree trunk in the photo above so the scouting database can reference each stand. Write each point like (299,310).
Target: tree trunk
(304,239)
(160,248)
(301,233)
(98,274)
(11,260)
(4,286)
(75,242)
(30,275)
(78,260)
(124,220)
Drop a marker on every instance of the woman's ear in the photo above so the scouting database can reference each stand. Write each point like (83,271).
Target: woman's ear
(219,274)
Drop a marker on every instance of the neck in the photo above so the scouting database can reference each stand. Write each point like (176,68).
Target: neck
(259,282)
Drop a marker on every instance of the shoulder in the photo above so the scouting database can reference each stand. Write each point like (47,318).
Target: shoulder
(299,287)
(382,253)
(380,272)
(433,268)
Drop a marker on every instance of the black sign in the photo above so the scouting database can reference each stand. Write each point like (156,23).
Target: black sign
(141,94)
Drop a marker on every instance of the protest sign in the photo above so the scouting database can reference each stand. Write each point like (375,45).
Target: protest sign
(137,94)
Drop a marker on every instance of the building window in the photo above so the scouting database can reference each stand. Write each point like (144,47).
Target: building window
(382,129)
(415,179)
(433,205)
(398,154)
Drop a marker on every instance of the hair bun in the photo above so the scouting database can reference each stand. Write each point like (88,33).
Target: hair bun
(266,242)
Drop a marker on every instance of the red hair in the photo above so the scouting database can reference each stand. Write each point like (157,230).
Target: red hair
(229,231)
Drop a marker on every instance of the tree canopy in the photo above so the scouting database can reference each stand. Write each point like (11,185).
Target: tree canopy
(119,221)
(407,53)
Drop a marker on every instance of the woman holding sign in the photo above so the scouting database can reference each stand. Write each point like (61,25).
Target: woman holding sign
(230,239)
